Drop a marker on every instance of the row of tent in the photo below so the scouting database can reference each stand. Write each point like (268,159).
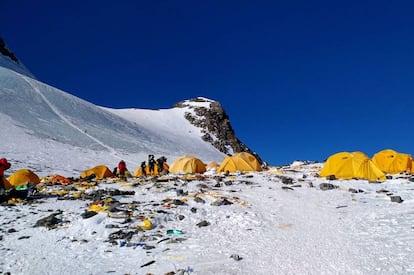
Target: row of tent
(186,164)
(342,165)
(350,165)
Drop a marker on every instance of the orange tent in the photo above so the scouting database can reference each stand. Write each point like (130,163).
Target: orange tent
(100,171)
(239,162)
(58,179)
(20,177)
(138,171)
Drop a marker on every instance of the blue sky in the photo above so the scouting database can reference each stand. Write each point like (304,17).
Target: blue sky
(300,80)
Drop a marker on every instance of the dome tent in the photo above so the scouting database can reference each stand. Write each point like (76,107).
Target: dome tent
(22,177)
(187,164)
(239,162)
(392,162)
(100,171)
(346,165)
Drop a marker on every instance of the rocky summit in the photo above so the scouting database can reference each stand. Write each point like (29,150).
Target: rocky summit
(215,125)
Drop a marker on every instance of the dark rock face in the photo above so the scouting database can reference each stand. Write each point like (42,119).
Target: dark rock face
(215,126)
(6,52)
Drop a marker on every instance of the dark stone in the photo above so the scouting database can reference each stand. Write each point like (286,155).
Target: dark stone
(287,180)
(327,186)
(88,214)
(179,192)
(50,221)
(221,202)
(111,226)
(397,199)
(121,235)
(236,257)
(177,202)
(199,200)
(203,223)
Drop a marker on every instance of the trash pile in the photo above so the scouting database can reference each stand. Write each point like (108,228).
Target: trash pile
(134,214)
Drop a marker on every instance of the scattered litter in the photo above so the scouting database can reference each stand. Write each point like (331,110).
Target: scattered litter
(174,232)
(236,257)
(147,264)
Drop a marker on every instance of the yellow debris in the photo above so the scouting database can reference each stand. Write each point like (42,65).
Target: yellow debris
(98,208)
(146,225)
(14,200)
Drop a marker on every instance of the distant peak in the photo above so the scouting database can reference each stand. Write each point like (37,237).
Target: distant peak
(196,102)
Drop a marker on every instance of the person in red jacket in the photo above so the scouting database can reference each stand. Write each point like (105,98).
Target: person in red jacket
(4,165)
(122,169)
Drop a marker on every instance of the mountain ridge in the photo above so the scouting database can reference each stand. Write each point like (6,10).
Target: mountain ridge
(37,113)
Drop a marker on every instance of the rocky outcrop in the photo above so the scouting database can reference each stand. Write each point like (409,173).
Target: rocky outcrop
(9,60)
(6,52)
(209,116)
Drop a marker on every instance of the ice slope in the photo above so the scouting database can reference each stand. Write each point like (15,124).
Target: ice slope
(36,113)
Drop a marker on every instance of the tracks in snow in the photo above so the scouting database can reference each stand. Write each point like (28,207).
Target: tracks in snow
(111,150)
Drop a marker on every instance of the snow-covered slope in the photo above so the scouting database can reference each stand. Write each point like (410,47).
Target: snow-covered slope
(37,114)
(274,222)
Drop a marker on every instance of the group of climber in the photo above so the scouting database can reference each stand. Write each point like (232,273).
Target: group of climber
(155,167)
(149,168)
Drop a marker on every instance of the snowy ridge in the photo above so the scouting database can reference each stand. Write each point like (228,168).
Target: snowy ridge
(54,116)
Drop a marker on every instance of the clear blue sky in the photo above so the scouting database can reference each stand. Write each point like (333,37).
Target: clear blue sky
(300,80)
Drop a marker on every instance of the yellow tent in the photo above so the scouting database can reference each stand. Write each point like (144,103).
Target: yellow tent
(392,162)
(346,165)
(138,171)
(187,164)
(21,177)
(239,162)
(100,171)
(360,154)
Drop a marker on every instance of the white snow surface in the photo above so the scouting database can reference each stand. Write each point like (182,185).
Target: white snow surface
(270,228)
(255,223)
